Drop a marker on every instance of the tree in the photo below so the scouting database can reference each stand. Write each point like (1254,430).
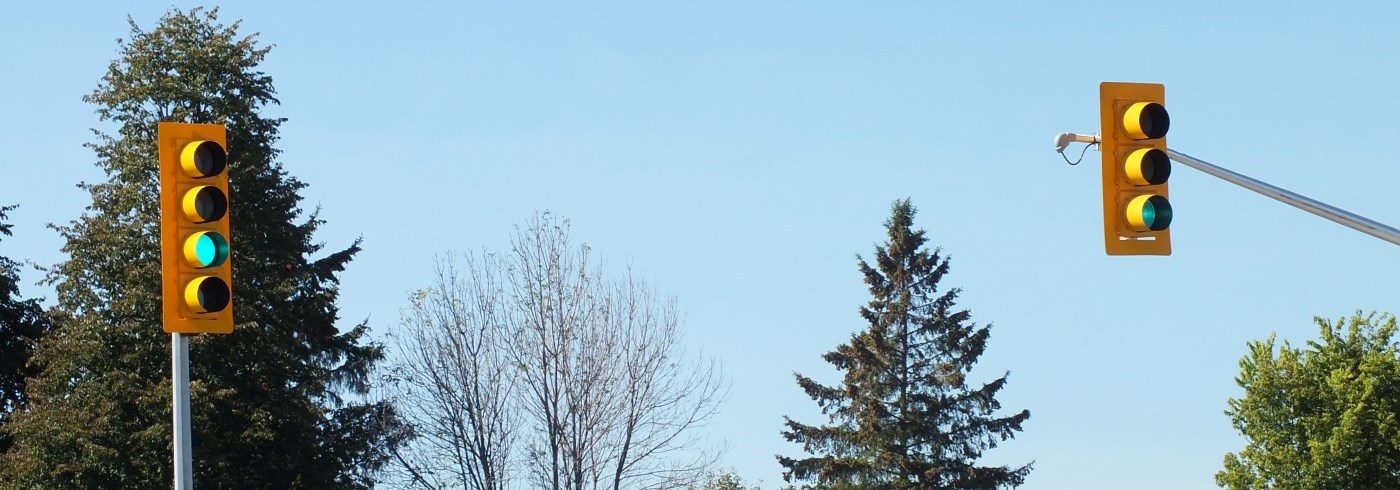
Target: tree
(22,324)
(904,415)
(722,481)
(274,403)
(1321,417)
(614,405)
(455,383)
(593,366)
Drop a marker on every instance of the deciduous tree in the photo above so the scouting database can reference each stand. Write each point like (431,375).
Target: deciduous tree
(455,382)
(22,324)
(1321,417)
(722,481)
(591,363)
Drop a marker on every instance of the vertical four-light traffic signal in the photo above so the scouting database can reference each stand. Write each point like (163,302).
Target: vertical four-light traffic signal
(1136,212)
(196,280)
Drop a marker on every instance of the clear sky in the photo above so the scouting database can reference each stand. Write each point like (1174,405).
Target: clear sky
(740,154)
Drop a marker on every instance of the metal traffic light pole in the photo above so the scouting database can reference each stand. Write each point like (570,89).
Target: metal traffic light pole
(1330,212)
(180,383)
(1339,215)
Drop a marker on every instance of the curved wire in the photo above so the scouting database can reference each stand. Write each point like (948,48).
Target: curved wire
(1081,155)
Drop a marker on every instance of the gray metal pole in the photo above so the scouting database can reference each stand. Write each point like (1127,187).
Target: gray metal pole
(180,383)
(1348,219)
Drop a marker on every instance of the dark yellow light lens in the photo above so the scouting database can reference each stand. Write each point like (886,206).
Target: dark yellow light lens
(207,294)
(204,203)
(1146,120)
(203,159)
(1147,166)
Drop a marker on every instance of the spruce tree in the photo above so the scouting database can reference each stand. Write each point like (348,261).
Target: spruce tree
(275,404)
(22,324)
(904,415)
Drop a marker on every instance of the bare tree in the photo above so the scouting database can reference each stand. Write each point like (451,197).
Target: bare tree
(605,381)
(541,339)
(662,397)
(455,384)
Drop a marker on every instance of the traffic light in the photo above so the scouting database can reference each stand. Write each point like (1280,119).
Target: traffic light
(1136,212)
(196,282)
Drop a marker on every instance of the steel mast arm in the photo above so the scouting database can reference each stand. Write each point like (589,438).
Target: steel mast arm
(1342,216)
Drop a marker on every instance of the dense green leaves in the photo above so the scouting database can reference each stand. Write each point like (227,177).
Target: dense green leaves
(273,403)
(1321,417)
(22,324)
(904,415)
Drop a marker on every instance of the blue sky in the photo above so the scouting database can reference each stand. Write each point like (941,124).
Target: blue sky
(740,154)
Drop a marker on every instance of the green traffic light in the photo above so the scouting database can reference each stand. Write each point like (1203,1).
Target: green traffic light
(1157,213)
(206,249)
(1149,212)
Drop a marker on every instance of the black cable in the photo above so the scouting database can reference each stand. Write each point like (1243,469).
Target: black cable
(1081,155)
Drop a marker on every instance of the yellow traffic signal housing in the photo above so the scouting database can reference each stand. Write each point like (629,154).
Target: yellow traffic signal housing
(196,281)
(1136,212)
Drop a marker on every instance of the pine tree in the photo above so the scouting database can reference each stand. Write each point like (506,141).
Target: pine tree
(276,403)
(904,415)
(22,324)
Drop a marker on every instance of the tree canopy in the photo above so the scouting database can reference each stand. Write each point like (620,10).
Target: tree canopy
(274,404)
(22,324)
(1320,417)
(538,368)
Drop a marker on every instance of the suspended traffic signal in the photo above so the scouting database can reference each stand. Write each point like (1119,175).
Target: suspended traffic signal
(1136,212)
(196,281)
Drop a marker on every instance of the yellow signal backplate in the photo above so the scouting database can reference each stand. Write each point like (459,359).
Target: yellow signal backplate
(178,225)
(1119,188)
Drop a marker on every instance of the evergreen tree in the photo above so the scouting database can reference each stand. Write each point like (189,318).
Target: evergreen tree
(904,415)
(276,403)
(22,324)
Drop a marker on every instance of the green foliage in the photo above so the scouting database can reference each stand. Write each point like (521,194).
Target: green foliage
(722,481)
(273,404)
(1321,417)
(22,324)
(904,415)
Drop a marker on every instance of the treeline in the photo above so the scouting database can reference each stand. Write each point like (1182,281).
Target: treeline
(532,367)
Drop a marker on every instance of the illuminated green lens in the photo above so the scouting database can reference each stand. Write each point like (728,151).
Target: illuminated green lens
(1157,213)
(206,249)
